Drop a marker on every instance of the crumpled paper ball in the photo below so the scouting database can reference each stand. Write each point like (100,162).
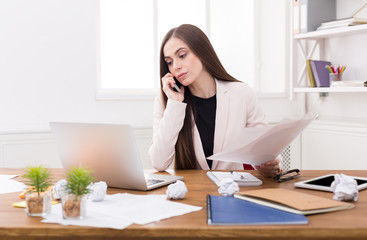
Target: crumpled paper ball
(59,189)
(345,188)
(228,187)
(176,190)
(98,191)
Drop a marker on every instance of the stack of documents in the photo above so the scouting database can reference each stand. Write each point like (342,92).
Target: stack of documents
(346,22)
(359,17)
(348,84)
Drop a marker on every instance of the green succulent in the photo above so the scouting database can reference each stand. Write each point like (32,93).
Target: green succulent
(78,179)
(38,177)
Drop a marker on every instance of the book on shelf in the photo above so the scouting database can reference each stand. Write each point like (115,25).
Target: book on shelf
(308,15)
(296,16)
(348,84)
(241,178)
(293,201)
(343,23)
(359,17)
(310,73)
(320,72)
(232,211)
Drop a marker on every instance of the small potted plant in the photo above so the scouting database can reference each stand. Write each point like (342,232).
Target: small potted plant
(38,198)
(76,189)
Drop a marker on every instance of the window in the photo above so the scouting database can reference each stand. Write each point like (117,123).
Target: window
(126,44)
(131,32)
(232,35)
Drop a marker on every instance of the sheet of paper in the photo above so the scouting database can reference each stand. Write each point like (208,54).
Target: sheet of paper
(7,185)
(93,219)
(259,145)
(7,177)
(120,210)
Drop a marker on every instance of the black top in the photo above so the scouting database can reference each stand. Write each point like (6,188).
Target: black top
(205,121)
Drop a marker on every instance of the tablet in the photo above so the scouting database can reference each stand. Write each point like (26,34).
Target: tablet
(323,183)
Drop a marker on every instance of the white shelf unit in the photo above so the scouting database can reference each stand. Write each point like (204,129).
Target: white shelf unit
(300,82)
(333,32)
(336,139)
(330,90)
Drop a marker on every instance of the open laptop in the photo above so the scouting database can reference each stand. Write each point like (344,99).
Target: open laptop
(109,151)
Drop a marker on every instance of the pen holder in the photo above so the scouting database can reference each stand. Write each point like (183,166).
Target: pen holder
(335,77)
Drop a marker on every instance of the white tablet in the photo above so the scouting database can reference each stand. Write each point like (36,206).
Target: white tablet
(323,183)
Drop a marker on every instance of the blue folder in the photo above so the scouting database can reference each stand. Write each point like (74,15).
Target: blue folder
(232,211)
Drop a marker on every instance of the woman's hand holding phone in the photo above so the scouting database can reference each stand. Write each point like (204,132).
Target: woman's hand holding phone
(170,88)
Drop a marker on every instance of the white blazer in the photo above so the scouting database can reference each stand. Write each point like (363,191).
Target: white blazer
(237,108)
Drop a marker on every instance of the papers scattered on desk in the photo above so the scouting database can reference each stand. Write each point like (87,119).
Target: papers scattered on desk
(258,145)
(7,185)
(120,210)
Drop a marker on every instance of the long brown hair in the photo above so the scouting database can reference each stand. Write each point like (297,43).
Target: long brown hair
(200,45)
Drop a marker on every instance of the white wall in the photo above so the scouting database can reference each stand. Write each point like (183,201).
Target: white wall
(332,145)
(48,67)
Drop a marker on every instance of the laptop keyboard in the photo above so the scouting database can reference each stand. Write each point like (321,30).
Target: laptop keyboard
(153,181)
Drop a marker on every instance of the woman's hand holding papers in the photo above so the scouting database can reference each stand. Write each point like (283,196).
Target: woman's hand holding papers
(270,168)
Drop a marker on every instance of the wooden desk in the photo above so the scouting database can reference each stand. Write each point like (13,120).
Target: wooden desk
(347,224)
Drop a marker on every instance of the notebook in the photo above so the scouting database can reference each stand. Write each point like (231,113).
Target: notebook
(109,150)
(310,73)
(293,201)
(241,178)
(232,211)
(320,73)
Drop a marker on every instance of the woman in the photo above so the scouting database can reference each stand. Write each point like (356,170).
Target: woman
(208,110)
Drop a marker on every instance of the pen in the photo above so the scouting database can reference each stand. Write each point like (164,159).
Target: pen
(329,68)
(333,69)
(344,67)
(236,174)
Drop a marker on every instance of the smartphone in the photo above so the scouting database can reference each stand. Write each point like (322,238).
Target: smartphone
(177,86)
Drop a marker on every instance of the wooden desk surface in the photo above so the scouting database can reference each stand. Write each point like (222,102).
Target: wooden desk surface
(346,224)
